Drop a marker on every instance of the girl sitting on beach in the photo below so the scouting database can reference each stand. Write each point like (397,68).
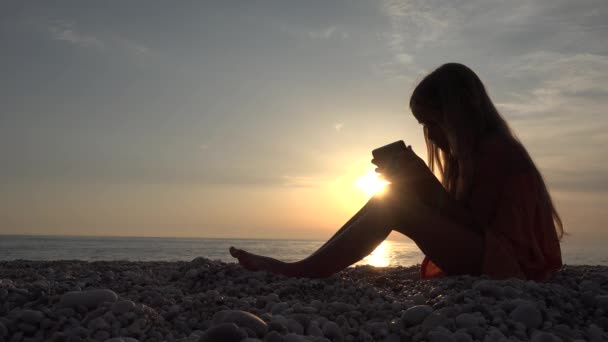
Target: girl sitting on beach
(490,214)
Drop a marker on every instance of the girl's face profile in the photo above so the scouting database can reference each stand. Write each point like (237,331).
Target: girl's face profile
(436,135)
(429,119)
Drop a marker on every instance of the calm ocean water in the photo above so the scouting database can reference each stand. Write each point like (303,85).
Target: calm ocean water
(586,250)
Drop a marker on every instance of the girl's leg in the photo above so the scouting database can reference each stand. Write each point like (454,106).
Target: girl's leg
(452,246)
(449,244)
(361,211)
(352,243)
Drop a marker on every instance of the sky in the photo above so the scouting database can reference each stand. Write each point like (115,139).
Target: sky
(255,119)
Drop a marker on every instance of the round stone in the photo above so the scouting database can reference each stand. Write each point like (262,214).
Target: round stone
(314,330)
(31,316)
(440,336)
(461,336)
(602,302)
(278,308)
(225,332)
(466,320)
(418,299)
(3,330)
(544,337)
(332,331)
(341,307)
(123,306)
(295,327)
(98,324)
(416,314)
(242,319)
(595,333)
(488,288)
(435,320)
(192,273)
(90,299)
(527,314)
(273,336)
(294,338)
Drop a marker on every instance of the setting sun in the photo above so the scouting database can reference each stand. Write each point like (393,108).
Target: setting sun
(370,184)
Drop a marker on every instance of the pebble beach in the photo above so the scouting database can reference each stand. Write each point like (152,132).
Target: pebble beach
(210,300)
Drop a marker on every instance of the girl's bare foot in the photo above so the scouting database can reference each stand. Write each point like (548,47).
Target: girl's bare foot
(254,262)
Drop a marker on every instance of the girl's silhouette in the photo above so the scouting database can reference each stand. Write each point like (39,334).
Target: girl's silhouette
(490,214)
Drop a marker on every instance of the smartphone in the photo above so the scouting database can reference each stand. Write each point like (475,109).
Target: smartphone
(387,152)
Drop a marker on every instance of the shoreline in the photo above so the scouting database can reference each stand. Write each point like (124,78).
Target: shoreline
(209,300)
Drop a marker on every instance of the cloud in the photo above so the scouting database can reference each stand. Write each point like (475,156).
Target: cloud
(65,32)
(561,113)
(339,126)
(489,33)
(416,21)
(328,33)
(557,84)
(404,58)
(130,46)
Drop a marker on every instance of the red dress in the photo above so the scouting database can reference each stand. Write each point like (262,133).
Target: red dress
(519,233)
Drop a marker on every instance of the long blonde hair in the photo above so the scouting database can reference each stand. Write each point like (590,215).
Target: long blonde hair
(467,115)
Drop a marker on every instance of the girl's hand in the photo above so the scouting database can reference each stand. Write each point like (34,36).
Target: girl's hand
(405,167)
(408,171)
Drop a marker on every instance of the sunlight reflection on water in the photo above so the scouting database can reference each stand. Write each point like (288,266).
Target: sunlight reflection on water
(380,257)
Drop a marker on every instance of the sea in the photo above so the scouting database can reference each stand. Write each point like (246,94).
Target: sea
(576,250)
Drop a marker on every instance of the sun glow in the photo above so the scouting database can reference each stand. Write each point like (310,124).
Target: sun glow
(370,184)
(380,257)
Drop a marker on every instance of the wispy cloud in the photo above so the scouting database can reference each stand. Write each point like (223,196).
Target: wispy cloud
(131,46)
(565,101)
(561,83)
(404,58)
(327,33)
(416,22)
(64,31)
(68,32)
